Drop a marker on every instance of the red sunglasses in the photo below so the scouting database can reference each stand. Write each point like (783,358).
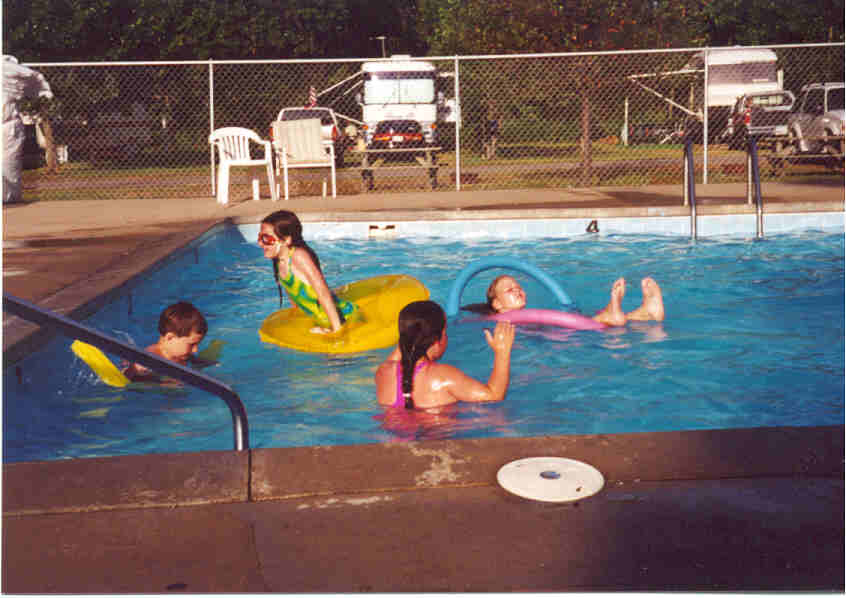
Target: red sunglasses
(265,239)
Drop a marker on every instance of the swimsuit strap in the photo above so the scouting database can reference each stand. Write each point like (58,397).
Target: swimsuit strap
(400,400)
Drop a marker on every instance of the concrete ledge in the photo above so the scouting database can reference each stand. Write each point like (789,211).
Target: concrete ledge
(157,480)
(659,456)
(129,482)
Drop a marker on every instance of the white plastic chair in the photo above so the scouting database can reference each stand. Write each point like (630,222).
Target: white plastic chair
(233,145)
(299,144)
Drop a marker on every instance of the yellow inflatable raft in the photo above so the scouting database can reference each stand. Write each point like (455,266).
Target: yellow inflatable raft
(379,301)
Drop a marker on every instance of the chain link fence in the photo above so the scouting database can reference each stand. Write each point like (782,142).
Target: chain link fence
(130,130)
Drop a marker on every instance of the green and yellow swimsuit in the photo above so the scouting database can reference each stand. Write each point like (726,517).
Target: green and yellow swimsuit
(303,296)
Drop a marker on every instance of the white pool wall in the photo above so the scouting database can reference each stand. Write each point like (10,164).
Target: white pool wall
(706,226)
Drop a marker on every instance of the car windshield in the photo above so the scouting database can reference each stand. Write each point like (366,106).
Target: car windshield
(304,113)
(835,99)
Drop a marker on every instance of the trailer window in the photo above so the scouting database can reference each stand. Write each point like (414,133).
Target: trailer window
(746,72)
(399,88)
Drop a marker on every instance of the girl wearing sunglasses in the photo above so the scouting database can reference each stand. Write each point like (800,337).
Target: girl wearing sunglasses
(296,268)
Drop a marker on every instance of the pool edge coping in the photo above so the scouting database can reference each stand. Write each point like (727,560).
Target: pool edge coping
(319,472)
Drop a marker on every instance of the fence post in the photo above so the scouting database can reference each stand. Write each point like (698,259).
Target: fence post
(705,122)
(211,126)
(456,91)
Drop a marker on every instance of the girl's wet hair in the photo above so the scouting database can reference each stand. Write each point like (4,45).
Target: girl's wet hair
(486,308)
(421,325)
(182,319)
(286,224)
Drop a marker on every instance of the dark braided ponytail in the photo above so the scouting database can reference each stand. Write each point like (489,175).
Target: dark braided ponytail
(421,325)
(286,224)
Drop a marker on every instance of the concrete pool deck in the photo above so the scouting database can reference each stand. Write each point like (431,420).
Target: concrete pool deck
(737,510)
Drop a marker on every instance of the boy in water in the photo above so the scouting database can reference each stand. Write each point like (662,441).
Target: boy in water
(181,330)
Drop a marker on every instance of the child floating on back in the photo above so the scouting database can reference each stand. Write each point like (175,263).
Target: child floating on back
(505,294)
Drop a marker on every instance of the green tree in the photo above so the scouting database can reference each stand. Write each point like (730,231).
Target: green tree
(479,27)
(96,30)
(762,22)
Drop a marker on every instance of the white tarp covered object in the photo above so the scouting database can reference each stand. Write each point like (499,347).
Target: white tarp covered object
(19,82)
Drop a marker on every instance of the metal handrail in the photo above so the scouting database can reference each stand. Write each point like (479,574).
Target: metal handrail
(28,311)
(753,183)
(690,185)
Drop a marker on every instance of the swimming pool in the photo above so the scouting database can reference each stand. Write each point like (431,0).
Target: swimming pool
(754,336)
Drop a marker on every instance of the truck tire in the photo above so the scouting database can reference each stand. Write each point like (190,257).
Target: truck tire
(835,150)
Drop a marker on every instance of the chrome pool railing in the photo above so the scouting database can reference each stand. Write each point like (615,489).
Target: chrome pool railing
(26,310)
(753,183)
(690,185)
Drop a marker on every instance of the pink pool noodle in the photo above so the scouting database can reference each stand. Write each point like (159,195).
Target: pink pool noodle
(548,317)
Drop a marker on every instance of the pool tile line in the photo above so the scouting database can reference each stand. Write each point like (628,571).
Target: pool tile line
(743,225)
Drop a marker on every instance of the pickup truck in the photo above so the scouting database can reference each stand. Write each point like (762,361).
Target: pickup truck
(817,125)
(762,115)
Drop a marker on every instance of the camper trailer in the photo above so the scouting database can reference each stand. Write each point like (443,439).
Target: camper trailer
(400,89)
(716,79)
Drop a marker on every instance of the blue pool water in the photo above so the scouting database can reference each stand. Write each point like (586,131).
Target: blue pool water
(754,336)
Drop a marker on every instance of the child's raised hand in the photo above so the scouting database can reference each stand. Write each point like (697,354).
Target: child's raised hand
(502,338)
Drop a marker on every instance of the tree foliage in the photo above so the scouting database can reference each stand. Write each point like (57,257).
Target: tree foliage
(96,30)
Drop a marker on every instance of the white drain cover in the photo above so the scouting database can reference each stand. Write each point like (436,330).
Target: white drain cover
(550,479)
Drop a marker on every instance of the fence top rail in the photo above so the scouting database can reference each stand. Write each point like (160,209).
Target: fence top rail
(452,57)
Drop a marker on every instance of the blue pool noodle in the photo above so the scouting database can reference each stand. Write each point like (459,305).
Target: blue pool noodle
(486,263)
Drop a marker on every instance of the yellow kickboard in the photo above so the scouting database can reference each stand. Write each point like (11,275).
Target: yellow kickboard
(111,375)
(379,300)
(99,363)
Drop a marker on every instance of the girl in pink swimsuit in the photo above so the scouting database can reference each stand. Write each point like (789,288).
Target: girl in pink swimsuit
(411,376)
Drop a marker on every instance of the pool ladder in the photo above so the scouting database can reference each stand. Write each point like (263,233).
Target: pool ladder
(690,185)
(28,311)
(753,185)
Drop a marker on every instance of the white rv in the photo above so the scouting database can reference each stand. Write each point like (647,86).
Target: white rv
(734,72)
(400,89)
(728,74)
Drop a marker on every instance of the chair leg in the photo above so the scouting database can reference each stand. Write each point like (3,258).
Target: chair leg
(334,190)
(256,191)
(285,177)
(223,184)
(274,192)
